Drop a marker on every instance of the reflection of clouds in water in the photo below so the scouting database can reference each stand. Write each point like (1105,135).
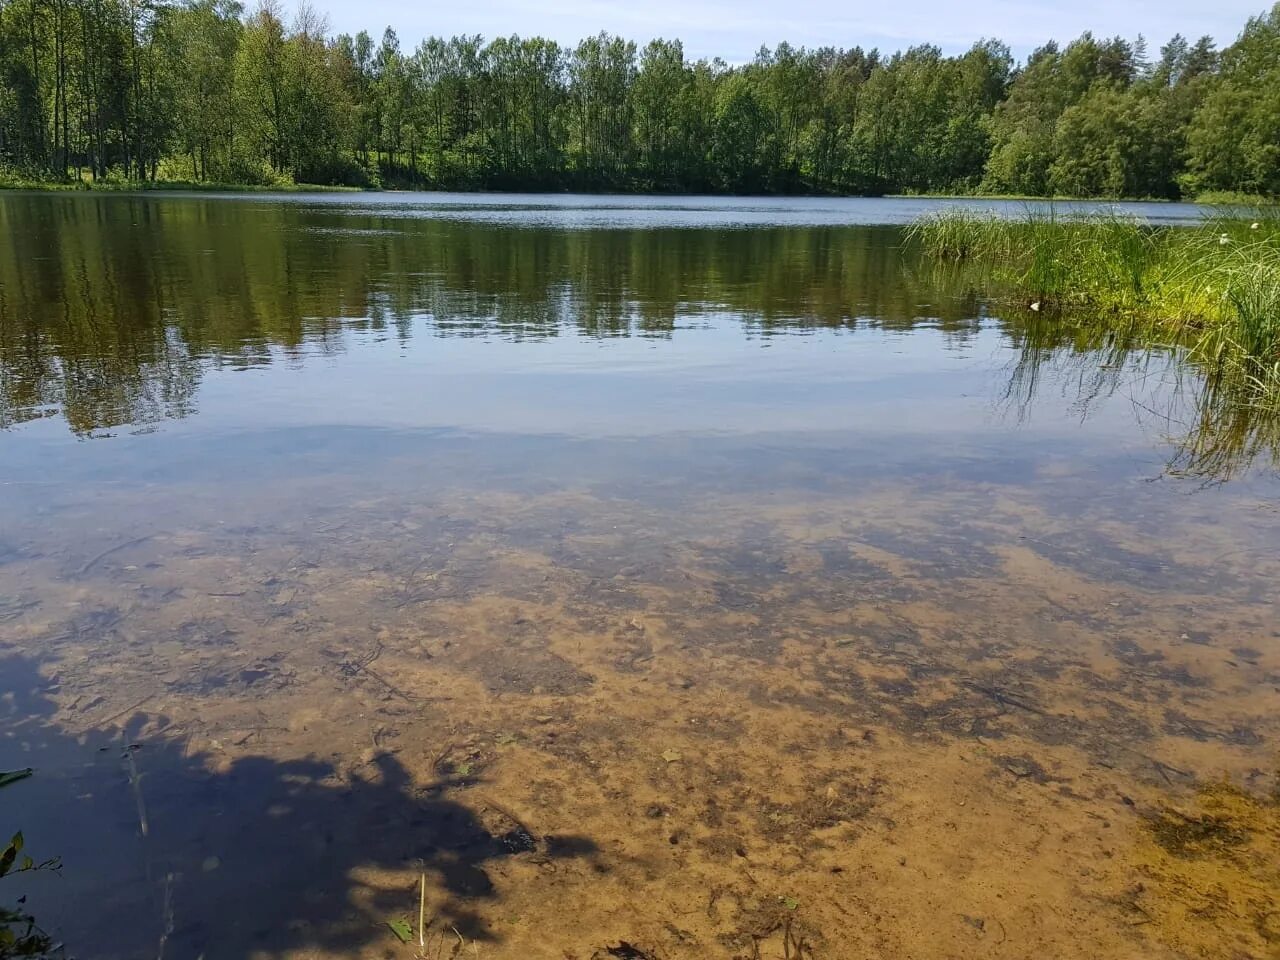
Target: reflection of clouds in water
(464,325)
(695,543)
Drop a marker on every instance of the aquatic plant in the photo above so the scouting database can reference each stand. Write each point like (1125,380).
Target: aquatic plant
(1213,289)
(957,234)
(1210,871)
(1111,285)
(19,935)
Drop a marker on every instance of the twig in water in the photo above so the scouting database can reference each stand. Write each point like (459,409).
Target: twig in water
(439,759)
(120,713)
(1164,769)
(508,814)
(136,785)
(116,549)
(1004,697)
(167,914)
(361,665)
(422,912)
(407,697)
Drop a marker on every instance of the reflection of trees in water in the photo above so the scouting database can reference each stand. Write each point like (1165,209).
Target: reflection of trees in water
(116,305)
(258,858)
(1219,425)
(99,387)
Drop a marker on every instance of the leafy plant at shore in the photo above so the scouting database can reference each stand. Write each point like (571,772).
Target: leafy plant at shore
(1219,282)
(19,935)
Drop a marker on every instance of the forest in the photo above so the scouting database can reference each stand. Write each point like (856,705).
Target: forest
(205,91)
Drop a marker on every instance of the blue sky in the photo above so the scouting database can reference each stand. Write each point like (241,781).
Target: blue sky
(734,29)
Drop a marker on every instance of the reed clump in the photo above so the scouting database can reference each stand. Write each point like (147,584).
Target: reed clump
(1213,289)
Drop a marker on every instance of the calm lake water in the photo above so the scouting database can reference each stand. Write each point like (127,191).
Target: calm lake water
(648,578)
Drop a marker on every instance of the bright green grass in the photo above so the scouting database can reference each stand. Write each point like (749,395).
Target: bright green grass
(1233,198)
(1214,287)
(1212,290)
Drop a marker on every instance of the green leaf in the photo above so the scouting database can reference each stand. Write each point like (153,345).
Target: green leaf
(13,776)
(791,903)
(401,928)
(10,853)
(671,756)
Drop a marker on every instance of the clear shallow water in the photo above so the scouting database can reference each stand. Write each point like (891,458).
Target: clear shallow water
(660,575)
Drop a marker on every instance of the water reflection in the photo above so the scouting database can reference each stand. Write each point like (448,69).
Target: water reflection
(113,310)
(1216,427)
(688,589)
(117,306)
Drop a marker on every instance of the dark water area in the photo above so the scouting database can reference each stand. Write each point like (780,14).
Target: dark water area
(713,577)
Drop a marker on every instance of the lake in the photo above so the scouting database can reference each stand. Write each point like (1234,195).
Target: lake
(615,577)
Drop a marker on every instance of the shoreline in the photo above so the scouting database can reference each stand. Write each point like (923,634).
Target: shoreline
(174,186)
(183,186)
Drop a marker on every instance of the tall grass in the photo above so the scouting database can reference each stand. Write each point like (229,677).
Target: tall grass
(1213,290)
(1234,198)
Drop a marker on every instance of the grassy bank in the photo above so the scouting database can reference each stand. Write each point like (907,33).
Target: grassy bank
(1212,198)
(1213,290)
(1214,287)
(1023,197)
(1233,198)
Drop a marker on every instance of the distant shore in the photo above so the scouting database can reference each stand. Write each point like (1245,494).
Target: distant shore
(1216,198)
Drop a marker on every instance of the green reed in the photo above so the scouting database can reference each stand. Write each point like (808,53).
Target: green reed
(1214,288)
(1212,291)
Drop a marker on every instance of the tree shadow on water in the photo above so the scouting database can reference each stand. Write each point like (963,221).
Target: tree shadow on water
(165,853)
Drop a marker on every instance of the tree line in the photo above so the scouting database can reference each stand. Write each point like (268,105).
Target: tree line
(200,90)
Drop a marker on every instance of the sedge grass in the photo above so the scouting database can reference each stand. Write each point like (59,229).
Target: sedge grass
(1214,288)
(1212,291)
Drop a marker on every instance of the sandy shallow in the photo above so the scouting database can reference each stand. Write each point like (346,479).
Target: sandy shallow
(911,721)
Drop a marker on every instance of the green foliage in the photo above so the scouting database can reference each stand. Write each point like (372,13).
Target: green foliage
(953,235)
(19,935)
(196,90)
(1215,289)
(1235,136)
(1234,198)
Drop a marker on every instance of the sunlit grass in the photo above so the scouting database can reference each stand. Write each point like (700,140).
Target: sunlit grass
(1215,288)
(1212,291)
